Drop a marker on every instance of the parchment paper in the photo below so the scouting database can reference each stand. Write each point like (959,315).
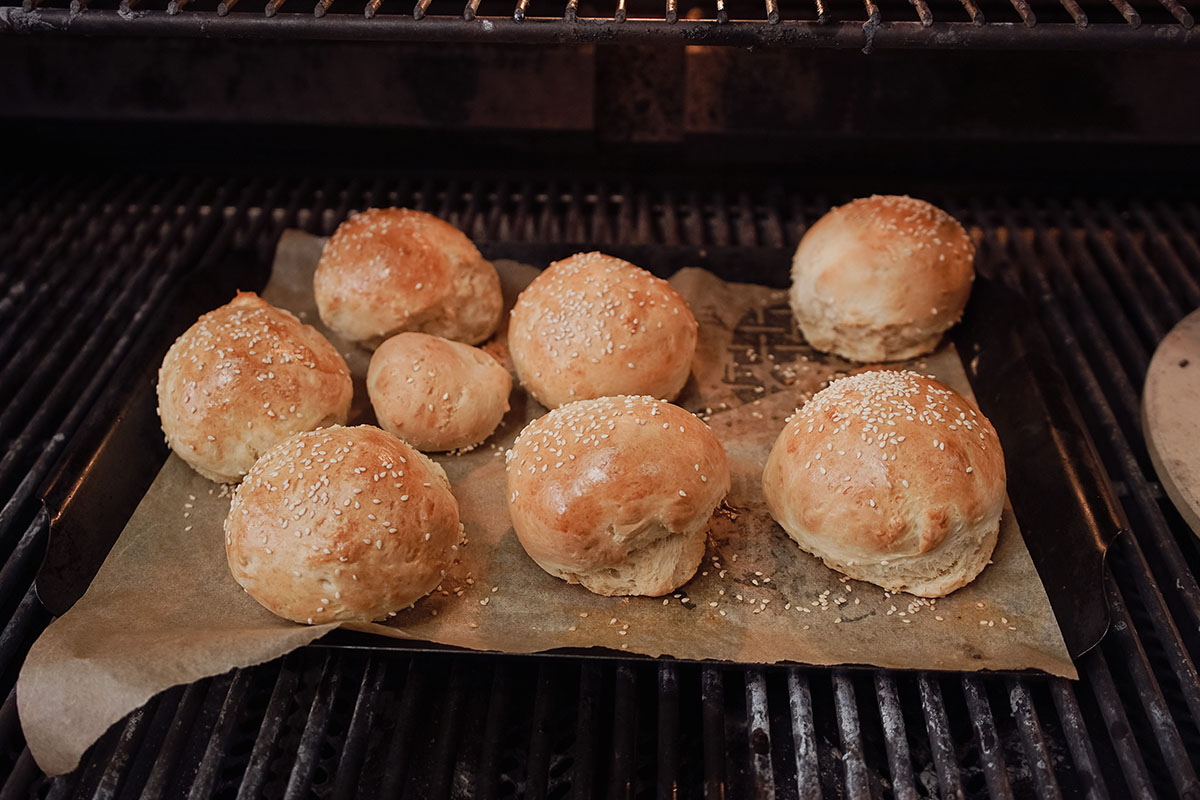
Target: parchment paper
(164,610)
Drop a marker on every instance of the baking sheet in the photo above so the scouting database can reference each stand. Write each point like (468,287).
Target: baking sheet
(757,597)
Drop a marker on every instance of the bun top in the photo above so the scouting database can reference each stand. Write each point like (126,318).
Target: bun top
(881,278)
(387,270)
(341,524)
(593,325)
(437,394)
(243,378)
(587,477)
(884,464)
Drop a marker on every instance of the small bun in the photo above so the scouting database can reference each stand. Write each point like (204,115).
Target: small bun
(389,270)
(616,493)
(244,378)
(892,478)
(595,326)
(341,524)
(881,278)
(437,394)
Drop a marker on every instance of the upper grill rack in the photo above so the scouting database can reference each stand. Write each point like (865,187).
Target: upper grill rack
(866,24)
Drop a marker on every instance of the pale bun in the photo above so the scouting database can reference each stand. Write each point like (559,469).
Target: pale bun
(341,524)
(881,278)
(388,270)
(243,378)
(437,394)
(616,493)
(593,325)
(893,478)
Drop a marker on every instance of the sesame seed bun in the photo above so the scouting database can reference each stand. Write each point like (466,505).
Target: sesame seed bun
(437,394)
(596,326)
(341,524)
(893,478)
(244,378)
(616,493)
(881,278)
(389,270)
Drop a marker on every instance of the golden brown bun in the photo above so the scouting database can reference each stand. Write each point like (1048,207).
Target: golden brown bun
(595,326)
(616,493)
(389,270)
(244,378)
(893,478)
(881,278)
(341,524)
(437,394)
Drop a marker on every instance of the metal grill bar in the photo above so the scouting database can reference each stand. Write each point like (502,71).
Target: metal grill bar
(1031,736)
(1137,778)
(990,750)
(169,753)
(60,269)
(895,738)
(852,746)
(50,265)
(1082,752)
(937,725)
(1181,277)
(712,695)
(668,732)
(1128,728)
(1153,285)
(255,776)
(300,779)
(623,732)
(218,743)
(399,752)
(483,777)
(537,767)
(1153,702)
(357,736)
(758,734)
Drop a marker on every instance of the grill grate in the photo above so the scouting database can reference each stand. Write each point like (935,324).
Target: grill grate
(941,24)
(88,259)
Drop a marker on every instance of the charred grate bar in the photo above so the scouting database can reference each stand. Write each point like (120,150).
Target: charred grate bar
(86,262)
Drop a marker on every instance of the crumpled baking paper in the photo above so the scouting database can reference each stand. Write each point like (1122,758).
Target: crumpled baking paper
(164,610)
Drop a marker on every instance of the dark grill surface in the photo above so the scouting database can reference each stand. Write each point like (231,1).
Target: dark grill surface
(84,260)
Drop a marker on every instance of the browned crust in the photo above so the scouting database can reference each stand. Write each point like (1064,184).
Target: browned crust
(396,269)
(892,476)
(596,326)
(243,378)
(341,524)
(593,485)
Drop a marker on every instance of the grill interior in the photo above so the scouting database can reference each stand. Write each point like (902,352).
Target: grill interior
(87,259)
